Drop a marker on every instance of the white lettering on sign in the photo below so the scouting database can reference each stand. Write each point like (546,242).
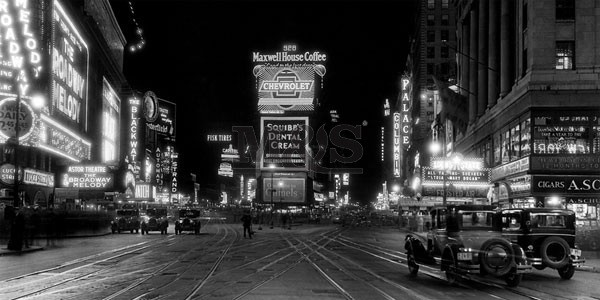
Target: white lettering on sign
(287,57)
(219,138)
(133,129)
(396,143)
(406,119)
(69,67)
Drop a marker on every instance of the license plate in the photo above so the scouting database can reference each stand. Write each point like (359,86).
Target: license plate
(576,252)
(465,256)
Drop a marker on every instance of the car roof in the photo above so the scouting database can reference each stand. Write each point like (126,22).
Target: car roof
(542,210)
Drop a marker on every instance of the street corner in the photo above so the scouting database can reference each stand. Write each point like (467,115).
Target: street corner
(4,251)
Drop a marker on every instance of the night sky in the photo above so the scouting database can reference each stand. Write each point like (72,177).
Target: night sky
(198,55)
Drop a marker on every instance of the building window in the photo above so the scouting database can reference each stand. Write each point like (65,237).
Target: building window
(430,20)
(565,55)
(444,52)
(526,137)
(430,52)
(445,20)
(524,62)
(444,4)
(565,10)
(506,145)
(596,141)
(444,68)
(431,4)
(497,149)
(445,35)
(430,36)
(430,69)
(515,141)
(525,17)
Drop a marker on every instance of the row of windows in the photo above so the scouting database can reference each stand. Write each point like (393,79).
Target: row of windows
(431,4)
(444,52)
(444,34)
(431,20)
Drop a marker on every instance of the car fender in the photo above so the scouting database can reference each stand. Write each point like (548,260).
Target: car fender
(449,256)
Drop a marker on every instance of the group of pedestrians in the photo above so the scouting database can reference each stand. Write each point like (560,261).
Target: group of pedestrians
(247,220)
(26,227)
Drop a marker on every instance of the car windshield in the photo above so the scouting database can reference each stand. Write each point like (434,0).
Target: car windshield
(478,219)
(552,220)
(189,213)
(156,212)
(127,213)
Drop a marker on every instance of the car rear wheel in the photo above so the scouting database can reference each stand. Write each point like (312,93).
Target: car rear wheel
(555,252)
(566,272)
(539,267)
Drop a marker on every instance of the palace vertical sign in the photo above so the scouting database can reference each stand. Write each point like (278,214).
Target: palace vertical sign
(405,113)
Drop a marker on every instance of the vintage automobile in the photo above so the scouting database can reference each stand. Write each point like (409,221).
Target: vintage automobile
(155,220)
(465,240)
(189,220)
(547,235)
(126,220)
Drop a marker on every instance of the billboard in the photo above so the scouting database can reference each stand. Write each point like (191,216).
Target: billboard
(111,110)
(134,151)
(164,120)
(284,143)
(285,190)
(287,80)
(70,67)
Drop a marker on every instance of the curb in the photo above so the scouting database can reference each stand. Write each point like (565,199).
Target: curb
(6,252)
(588,269)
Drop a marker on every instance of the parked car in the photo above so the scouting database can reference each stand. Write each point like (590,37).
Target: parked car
(547,235)
(465,240)
(155,220)
(126,219)
(189,220)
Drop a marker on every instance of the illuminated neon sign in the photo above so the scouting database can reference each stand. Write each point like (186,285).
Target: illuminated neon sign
(396,152)
(174,167)
(19,50)
(110,122)
(58,139)
(8,115)
(134,143)
(405,112)
(70,66)
(284,142)
(88,177)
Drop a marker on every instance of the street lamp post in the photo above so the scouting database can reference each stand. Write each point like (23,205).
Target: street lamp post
(16,200)
(439,127)
(271,191)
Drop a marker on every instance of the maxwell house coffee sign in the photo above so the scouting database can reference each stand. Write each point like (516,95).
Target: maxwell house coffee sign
(286,80)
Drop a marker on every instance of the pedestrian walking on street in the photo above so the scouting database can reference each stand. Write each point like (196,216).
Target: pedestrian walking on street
(17,231)
(247,222)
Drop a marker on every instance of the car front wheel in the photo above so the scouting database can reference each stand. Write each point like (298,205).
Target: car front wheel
(513,279)
(566,272)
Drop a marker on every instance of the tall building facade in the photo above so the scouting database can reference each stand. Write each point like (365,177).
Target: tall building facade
(529,73)
(432,55)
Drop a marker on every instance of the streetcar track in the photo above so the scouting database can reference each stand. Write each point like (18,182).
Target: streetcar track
(261,269)
(177,260)
(348,273)
(276,275)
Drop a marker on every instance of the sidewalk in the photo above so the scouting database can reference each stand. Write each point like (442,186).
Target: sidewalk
(592,258)
(4,251)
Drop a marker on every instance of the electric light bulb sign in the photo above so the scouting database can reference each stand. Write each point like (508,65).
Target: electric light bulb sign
(286,79)
(19,51)
(88,177)
(111,105)
(405,119)
(397,143)
(284,142)
(70,63)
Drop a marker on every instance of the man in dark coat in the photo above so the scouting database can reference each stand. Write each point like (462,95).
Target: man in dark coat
(247,222)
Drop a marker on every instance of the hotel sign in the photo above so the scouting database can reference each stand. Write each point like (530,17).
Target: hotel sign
(134,136)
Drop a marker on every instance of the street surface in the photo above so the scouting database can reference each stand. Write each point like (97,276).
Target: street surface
(306,262)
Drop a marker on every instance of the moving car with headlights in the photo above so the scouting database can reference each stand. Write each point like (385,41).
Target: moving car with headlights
(155,220)
(465,240)
(547,235)
(189,220)
(126,220)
